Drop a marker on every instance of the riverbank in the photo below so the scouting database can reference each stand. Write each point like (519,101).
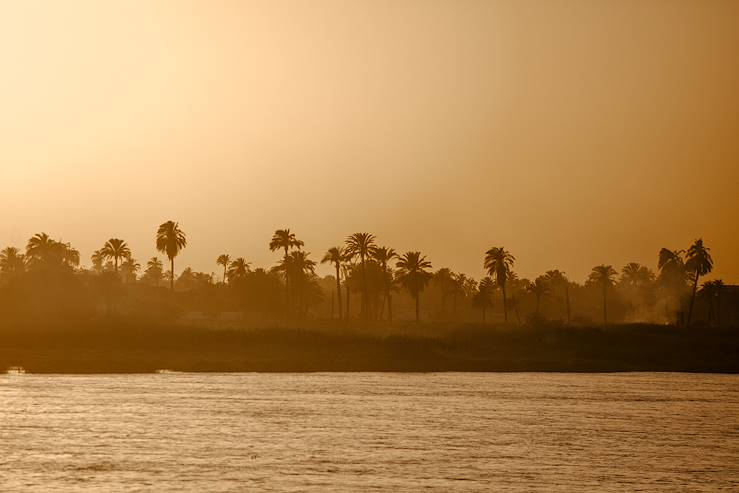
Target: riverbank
(100,348)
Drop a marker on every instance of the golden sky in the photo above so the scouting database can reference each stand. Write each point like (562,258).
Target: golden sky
(574,133)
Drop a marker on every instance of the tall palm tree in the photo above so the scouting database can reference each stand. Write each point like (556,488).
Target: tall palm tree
(299,268)
(558,280)
(383,256)
(12,261)
(698,262)
(224,260)
(361,245)
(284,239)
(498,263)
(171,240)
(115,249)
(538,288)
(238,269)
(335,256)
(603,275)
(413,274)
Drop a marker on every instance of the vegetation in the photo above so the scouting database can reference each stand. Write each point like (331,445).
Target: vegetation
(46,282)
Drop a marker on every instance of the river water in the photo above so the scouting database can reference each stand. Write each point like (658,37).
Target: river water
(370,431)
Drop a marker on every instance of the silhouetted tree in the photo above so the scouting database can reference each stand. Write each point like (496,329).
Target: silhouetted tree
(335,256)
(603,276)
(699,263)
(361,245)
(224,261)
(115,249)
(498,263)
(413,275)
(44,252)
(130,269)
(154,272)
(285,240)
(300,269)
(383,256)
(558,280)
(538,288)
(482,298)
(12,262)
(238,269)
(171,240)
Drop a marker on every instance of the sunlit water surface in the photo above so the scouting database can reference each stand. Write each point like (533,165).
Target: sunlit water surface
(364,431)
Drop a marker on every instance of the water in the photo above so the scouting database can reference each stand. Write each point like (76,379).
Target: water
(390,432)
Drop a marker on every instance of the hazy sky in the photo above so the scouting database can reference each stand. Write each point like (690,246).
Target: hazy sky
(573,133)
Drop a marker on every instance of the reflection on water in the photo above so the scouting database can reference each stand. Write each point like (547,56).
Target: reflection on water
(342,432)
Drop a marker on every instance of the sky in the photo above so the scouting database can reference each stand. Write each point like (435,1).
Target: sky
(573,133)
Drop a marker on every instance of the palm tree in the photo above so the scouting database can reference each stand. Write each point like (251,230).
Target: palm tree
(383,256)
(557,279)
(335,256)
(699,263)
(98,261)
(130,269)
(636,275)
(12,261)
(603,275)
(671,266)
(414,276)
(283,239)
(170,240)
(361,245)
(238,269)
(299,268)
(115,249)
(444,277)
(483,296)
(224,260)
(154,271)
(538,288)
(498,263)
(458,288)
(42,250)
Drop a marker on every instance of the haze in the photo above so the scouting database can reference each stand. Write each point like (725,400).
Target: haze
(573,133)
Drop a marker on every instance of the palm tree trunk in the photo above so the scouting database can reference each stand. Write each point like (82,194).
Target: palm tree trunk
(605,305)
(505,304)
(224,274)
(364,292)
(692,298)
(338,291)
(389,306)
(418,308)
(287,286)
(115,263)
(171,272)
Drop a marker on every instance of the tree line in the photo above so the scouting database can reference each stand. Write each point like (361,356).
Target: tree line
(47,276)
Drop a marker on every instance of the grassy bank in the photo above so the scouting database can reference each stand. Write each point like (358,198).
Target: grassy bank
(108,348)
